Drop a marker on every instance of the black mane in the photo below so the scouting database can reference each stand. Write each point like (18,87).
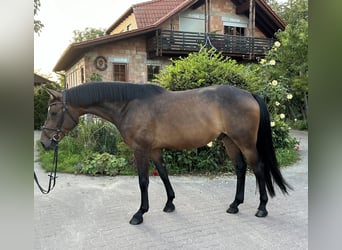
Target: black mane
(96,92)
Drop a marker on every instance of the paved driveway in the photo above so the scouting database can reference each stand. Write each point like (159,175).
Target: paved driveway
(93,213)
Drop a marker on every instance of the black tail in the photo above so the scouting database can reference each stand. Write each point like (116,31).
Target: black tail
(267,153)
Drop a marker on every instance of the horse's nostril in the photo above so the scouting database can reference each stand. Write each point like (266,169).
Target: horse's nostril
(43,145)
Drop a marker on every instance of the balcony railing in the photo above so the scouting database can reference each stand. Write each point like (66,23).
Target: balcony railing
(168,42)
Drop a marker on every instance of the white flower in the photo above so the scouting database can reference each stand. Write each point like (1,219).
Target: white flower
(289,96)
(277,44)
(282,116)
(274,83)
(262,61)
(272,62)
(277,103)
(210,144)
(272,124)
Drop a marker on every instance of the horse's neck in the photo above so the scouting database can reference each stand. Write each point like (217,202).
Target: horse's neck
(108,111)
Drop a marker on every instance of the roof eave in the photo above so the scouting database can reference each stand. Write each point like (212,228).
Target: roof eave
(75,50)
(274,15)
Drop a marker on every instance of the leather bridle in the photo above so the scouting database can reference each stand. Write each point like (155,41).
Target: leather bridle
(55,138)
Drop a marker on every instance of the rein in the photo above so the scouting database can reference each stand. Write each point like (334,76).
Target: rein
(55,138)
(52,175)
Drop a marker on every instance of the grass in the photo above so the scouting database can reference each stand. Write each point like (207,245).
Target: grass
(287,157)
(67,162)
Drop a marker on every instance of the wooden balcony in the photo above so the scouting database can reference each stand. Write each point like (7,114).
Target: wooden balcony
(174,43)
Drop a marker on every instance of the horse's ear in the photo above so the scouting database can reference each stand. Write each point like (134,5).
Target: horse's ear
(53,93)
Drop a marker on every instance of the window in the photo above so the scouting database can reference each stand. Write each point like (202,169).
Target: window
(119,72)
(234,31)
(82,75)
(152,70)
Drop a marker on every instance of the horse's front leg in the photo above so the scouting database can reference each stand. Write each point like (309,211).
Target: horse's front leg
(142,164)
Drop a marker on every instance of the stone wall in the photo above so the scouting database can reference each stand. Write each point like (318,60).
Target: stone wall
(131,52)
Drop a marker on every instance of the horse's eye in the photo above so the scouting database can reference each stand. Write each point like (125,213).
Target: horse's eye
(51,112)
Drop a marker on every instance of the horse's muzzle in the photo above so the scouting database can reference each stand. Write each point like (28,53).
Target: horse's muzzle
(49,145)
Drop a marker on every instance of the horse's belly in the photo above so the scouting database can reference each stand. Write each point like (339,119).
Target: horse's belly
(183,127)
(186,139)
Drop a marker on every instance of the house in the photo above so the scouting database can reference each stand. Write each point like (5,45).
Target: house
(39,80)
(143,39)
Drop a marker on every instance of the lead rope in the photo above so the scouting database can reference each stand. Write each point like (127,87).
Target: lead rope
(208,41)
(52,175)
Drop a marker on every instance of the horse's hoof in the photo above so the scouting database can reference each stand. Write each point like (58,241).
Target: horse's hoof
(136,220)
(261,213)
(233,210)
(169,208)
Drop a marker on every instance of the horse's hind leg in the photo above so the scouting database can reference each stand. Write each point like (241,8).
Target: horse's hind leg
(260,176)
(257,166)
(235,155)
(142,162)
(158,161)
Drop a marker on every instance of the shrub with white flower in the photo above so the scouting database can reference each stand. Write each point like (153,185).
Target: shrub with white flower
(272,62)
(274,83)
(277,44)
(277,96)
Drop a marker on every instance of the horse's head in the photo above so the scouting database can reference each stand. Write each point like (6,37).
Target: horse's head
(59,121)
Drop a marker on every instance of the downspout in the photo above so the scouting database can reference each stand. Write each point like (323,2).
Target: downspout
(251,27)
(209,7)
(206,17)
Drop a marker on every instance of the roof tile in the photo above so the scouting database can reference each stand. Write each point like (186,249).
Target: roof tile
(148,13)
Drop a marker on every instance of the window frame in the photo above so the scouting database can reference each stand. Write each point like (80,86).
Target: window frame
(119,75)
(155,70)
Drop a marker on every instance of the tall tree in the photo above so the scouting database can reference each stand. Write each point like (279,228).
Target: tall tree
(87,34)
(38,25)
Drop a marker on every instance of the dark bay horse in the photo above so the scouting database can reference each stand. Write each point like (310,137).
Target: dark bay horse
(151,118)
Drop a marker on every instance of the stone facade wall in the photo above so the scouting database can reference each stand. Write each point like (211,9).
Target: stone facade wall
(131,52)
(122,27)
(224,8)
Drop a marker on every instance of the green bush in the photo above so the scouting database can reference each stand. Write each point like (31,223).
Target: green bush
(69,159)
(97,135)
(103,164)
(41,98)
(207,159)
(277,98)
(201,69)
(86,143)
